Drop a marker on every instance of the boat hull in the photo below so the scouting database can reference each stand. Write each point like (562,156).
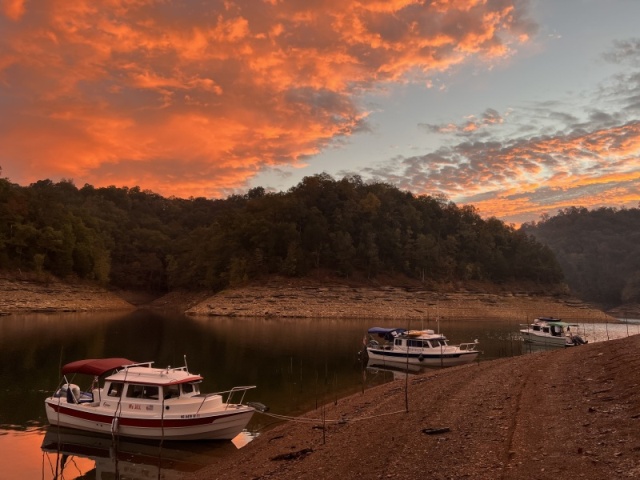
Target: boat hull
(546,340)
(221,425)
(446,359)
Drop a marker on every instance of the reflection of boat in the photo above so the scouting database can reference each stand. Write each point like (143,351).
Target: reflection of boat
(417,347)
(144,402)
(551,331)
(118,459)
(398,370)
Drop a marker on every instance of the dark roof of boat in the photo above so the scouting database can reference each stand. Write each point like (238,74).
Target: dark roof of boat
(384,331)
(96,366)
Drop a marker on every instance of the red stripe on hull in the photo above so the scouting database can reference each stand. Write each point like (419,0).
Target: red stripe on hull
(141,422)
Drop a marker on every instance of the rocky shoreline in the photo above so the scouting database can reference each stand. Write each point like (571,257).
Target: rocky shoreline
(29,296)
(389,302)
(308,298)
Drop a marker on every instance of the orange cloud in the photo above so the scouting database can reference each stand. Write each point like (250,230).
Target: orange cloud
(12,9)
(520,180)
(191,101)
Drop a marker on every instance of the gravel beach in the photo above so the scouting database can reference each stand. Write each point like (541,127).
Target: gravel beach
(570,413)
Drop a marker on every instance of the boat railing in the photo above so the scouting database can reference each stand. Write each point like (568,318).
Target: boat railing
(230,394)
(141,364)
(236,390)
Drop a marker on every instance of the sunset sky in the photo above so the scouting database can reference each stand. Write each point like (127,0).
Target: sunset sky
(519,108)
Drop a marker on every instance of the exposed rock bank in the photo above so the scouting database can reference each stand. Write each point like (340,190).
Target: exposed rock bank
(24,296)
(309,299)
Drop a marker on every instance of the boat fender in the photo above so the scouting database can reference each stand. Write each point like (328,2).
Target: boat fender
(73,393)
(114,425)
(261,407)
(421,358)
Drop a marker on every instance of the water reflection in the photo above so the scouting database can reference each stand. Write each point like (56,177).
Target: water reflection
(297,364)
(392,372)
(70,453)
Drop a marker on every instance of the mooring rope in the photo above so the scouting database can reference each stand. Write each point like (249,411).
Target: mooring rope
(115,422)
(334,421)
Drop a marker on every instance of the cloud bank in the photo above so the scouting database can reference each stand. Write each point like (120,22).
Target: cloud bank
(540,158)
(194,99)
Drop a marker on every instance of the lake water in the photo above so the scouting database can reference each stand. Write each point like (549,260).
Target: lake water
(296,364)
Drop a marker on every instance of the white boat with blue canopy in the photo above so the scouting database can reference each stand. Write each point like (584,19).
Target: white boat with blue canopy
(417,347)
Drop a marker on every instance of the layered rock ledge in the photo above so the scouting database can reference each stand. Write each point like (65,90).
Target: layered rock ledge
(308,299)
(26,296)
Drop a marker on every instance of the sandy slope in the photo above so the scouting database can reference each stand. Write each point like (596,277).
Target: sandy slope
(572,413)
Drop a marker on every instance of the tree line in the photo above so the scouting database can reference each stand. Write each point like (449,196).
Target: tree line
(598,250)
(134,239)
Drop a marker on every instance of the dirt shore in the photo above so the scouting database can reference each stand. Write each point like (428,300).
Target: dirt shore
(305,298)
(308,298)
(25,296)
(572,413)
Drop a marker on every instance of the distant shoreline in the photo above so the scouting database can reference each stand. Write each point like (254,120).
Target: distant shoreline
(397,305)
(304,298)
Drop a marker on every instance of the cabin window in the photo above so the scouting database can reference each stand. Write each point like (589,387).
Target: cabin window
(536,328)
(414,343)
(143,391)
(151,392)
(545,329)
(398,341)
(115,389)
(135,391)
(171,391)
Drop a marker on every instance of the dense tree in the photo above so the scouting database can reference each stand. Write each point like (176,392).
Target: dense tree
(599,251)
(135,239)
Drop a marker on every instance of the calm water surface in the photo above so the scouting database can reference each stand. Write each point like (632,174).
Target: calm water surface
(296,365)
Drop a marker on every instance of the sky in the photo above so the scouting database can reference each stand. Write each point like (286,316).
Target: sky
(519,108)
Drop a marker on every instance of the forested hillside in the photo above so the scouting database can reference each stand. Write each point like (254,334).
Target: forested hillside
(599,251)
(135,239)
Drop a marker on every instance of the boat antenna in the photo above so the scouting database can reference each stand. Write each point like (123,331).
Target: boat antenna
(185,362)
